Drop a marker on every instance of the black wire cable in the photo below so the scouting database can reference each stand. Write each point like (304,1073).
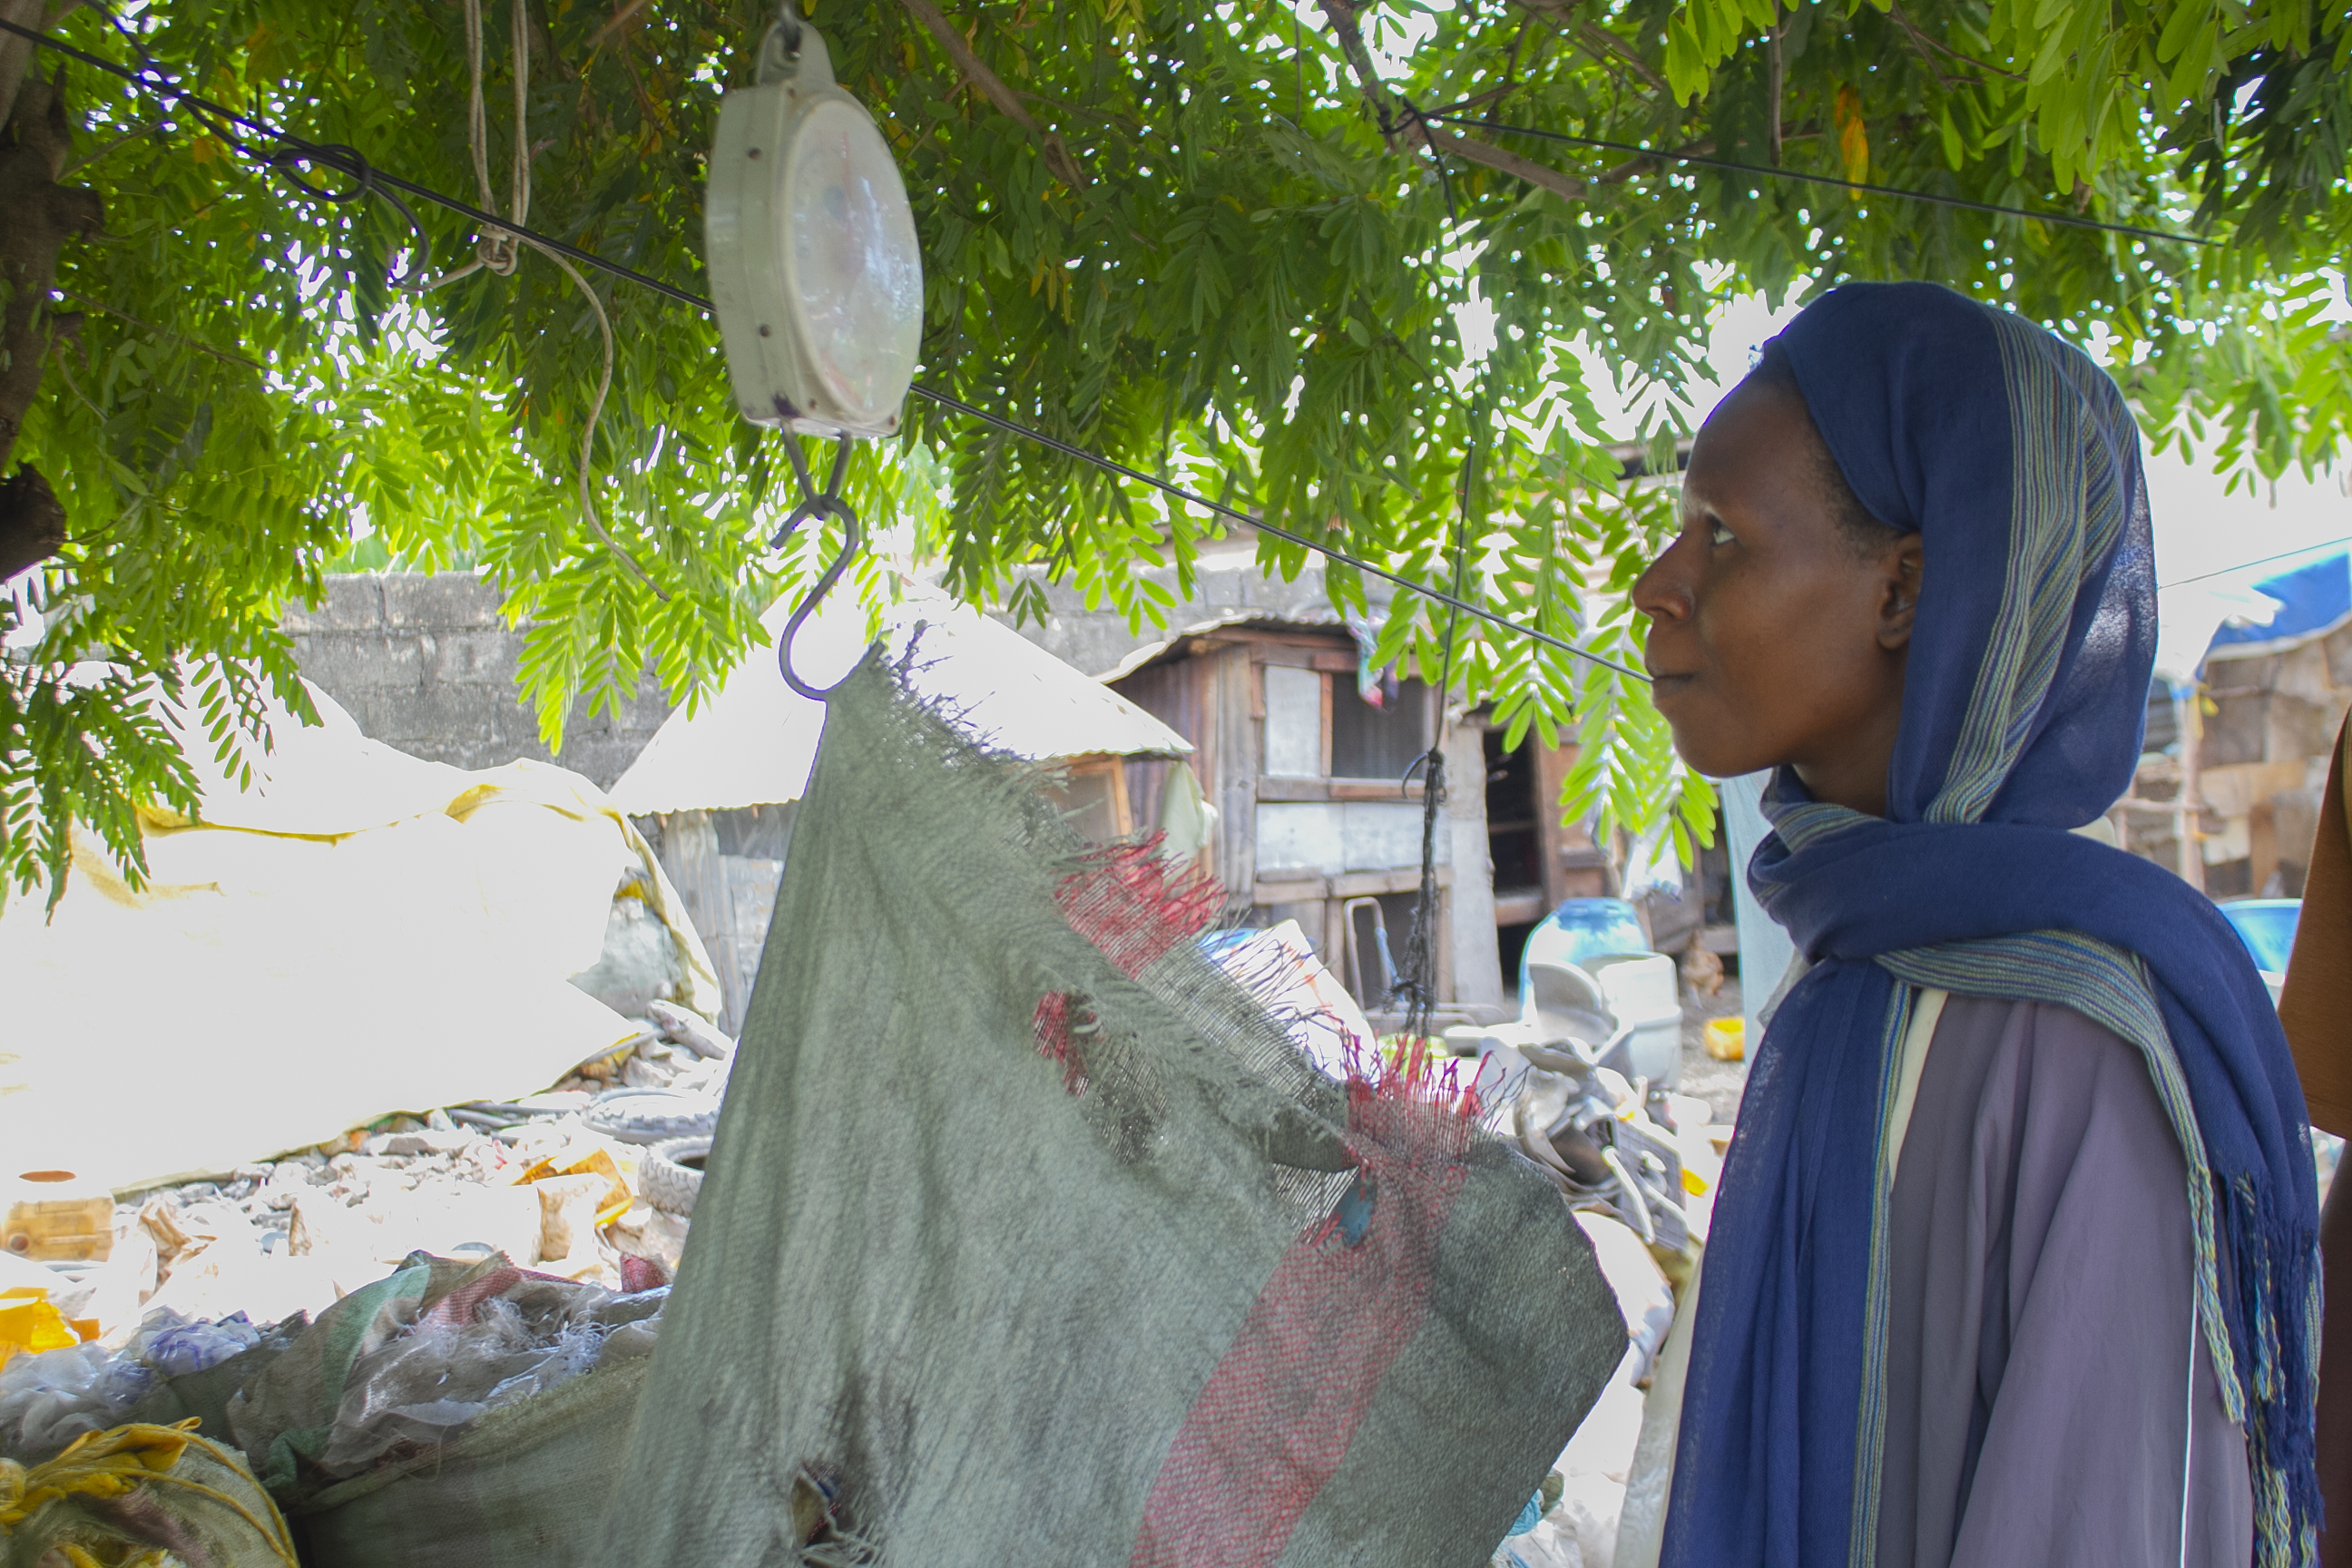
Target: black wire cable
(347,159)
(1111,465)
(294,150)
(1765,171)
(2259,561)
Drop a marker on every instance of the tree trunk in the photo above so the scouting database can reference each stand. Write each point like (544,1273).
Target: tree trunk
(15,52)
(37,216)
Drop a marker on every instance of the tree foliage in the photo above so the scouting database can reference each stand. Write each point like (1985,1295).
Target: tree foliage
(1217,243)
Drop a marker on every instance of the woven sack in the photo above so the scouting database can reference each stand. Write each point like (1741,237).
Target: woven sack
(526,1486)
(1028,1238)
(144,1495)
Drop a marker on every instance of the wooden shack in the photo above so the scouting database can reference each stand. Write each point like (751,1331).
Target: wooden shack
(1315,775)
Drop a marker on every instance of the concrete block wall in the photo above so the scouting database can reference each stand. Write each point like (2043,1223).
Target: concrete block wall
(427,664)
(2262,764)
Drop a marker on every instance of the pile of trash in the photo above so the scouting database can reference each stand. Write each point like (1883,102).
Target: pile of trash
(577,1183)
(409,1361)
(49,1398)
(418,1358)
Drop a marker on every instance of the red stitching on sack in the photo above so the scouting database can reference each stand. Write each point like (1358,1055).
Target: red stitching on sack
(1129,902)
(1275,1418)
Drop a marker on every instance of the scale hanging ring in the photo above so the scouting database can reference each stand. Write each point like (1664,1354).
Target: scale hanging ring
(816,504)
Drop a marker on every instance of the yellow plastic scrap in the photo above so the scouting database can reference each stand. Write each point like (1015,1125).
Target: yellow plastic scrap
(28,1323)
(98,1464)
(596,1162)
(109,1464)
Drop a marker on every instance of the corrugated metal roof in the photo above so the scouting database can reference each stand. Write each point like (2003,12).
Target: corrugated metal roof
(754,742)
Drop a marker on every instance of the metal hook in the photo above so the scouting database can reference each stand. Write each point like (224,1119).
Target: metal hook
(816,504)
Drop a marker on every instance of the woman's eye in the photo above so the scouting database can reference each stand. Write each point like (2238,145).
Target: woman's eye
(1718,534)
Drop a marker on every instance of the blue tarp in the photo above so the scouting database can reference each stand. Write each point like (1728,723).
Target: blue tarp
(2311,598)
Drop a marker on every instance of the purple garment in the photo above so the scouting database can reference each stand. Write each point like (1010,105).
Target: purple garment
(2038,1408)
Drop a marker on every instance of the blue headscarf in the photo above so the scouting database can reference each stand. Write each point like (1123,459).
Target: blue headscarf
(2016,460)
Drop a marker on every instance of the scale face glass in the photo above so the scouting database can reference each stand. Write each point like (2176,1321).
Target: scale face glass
(857,268)
(816,274)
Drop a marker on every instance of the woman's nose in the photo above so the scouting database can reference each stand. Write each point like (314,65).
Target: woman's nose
(1663,591)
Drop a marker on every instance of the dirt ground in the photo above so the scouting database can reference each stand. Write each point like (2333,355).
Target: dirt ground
(1718,1083)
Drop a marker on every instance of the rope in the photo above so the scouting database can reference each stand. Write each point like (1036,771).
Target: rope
(496,249)
(1419,982)
(500,248)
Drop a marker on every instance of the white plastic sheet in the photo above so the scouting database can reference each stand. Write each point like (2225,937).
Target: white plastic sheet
(359,933)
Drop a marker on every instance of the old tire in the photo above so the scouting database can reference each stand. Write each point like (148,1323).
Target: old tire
(671,1174)
(652,1115)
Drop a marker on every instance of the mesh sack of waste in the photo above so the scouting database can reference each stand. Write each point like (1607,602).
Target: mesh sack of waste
(524,1486)
(1029,1237)
(460,1410)
(140,1497)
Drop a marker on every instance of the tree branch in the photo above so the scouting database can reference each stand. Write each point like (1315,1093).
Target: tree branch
(991,86)
(16,52)
(1596,40)
(1923,43)
(203,348)
(32,522)
(619,19)
(42,215)
(1601,40)
(1408,125)
(1472,151)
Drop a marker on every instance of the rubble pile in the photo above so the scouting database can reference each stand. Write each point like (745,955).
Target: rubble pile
(371,1304)
(555,1183)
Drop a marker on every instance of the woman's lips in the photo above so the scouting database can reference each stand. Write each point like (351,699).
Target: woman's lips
(1664,686)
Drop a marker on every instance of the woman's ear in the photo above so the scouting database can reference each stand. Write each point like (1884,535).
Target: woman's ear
(1898,608)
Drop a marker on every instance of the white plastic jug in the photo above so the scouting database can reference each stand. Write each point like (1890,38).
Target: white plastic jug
(1646,993)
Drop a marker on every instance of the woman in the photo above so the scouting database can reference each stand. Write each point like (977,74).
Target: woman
(2013,1259)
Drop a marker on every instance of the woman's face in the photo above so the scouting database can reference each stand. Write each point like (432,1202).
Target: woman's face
(1776,635)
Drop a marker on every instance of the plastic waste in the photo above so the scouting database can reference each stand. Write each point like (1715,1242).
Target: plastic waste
(49,1399)
(1548,1545)
(456,1364)
(179,1348)
(29,1323)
